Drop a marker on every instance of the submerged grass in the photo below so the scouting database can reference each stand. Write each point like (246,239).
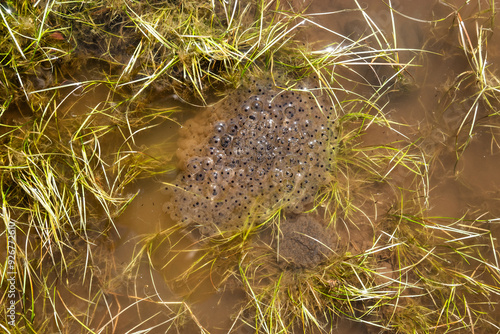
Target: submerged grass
(479,84)
(66,163)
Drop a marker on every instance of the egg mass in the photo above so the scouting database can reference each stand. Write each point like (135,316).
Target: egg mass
(259,149)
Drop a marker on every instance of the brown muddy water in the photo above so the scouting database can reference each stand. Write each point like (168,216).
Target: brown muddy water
(467,188)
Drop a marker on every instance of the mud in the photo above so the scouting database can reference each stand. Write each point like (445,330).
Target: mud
(306,241)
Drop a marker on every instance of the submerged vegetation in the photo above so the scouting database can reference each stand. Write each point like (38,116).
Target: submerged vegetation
(92,94)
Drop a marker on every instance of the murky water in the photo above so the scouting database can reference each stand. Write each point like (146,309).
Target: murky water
(466,188)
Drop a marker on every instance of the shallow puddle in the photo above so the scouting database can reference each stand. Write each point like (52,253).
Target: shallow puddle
(159,269)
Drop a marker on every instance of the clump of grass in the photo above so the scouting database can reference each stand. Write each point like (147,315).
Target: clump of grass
(29,48)
(62,188)
(358,167)
(451,293)
(479,84)
(186,48)
(404,283)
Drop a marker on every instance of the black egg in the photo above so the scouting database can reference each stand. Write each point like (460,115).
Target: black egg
(256,105)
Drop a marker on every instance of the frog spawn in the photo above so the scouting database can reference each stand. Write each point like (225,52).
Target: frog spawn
(251,156)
